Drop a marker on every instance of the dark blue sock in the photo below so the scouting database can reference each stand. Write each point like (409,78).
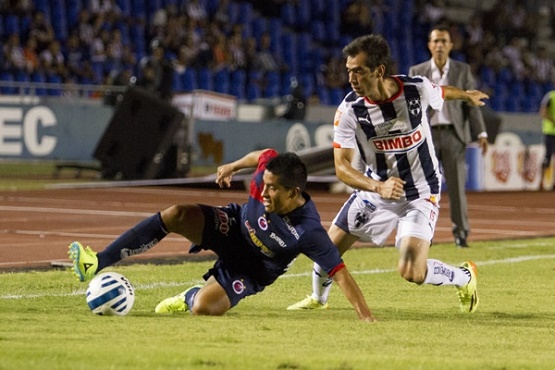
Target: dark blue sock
(140,238)
(190,296)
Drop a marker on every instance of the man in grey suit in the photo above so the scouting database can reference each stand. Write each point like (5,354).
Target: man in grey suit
(456,125)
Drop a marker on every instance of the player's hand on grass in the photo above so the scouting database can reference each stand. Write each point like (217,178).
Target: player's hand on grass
(369,319)
(392,188)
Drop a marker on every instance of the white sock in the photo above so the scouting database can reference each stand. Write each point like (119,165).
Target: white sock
(440,273)
(321,284)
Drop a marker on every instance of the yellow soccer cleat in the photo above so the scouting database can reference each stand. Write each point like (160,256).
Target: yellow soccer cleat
(175,303)
(85,262)
(309,303)
(468,294)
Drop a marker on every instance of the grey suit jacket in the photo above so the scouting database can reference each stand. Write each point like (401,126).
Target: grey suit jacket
(467,119)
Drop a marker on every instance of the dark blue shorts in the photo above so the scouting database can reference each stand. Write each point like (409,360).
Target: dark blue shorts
(233,269)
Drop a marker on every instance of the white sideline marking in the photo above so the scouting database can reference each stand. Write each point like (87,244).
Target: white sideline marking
(303,274)
(75,211)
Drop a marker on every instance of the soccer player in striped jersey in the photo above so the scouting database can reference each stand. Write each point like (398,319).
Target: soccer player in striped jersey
(384,120)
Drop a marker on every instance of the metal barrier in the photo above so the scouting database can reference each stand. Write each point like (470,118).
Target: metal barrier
(49,89)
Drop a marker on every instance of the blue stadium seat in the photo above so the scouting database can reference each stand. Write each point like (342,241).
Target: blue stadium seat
(288,14)
(39,77)
(324,95)
(318,31)
(289,48)
(189,80)
(304,18)
(222,81)
(258,27)
(487,75)
(152,6)
(308,84)
(245,15)
(73,9)
(286,78)
(58,19)
(55,79)
(11,25)
(7,77)
(177,82)
(238,84)
(43,6)
(336,96)
(22,76)
(273,85)
(253,92)
(205,79)
(138,8)
(317,9)
(124,5)
(233,12)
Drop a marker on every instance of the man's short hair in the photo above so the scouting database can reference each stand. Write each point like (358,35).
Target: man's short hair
(290,169)
(375,47)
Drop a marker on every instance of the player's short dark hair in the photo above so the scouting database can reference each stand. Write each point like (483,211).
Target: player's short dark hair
(375,47)
(290,169)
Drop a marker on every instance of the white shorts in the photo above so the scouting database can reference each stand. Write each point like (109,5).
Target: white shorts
(372,218)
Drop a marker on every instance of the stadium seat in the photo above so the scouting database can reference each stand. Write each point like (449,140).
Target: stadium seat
(124,5)
(253,92)
(55,90)
(288,14)
(22,76)
(289,47)
(238,84)
(245,15)
(318,31)
(317,9)
(189,80)
(39,77)
(286,78)
(303,18)
(11,24)
(7,77)
(43,6)
(336,96)
(324,95)
(177,82)
(273,85)
(205,79)
(308,85)
(222,81)
(138,9)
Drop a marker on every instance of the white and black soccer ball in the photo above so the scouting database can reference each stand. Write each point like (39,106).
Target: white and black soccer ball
(109,294)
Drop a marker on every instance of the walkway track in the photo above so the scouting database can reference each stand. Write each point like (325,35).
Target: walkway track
(37,226)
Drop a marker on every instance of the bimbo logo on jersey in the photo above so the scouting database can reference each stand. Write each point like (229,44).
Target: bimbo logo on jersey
(398,143)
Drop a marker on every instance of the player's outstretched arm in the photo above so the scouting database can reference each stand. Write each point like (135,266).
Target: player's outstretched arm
(226,171)
(473,97)
(352,292)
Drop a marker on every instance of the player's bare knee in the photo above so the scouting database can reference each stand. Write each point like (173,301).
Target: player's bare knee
(201,309)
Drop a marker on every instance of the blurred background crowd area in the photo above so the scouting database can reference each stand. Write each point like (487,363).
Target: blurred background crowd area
(254,49)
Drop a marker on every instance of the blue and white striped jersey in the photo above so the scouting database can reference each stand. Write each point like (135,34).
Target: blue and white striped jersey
(394,136)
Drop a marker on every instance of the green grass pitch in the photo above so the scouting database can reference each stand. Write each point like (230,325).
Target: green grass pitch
(45,322)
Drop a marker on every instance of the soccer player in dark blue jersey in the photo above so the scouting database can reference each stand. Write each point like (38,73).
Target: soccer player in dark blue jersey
(255,242)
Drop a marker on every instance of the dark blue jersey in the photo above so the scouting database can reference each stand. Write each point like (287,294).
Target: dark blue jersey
(276,240)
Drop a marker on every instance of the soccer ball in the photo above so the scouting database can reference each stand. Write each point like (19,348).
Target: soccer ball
(110,294)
